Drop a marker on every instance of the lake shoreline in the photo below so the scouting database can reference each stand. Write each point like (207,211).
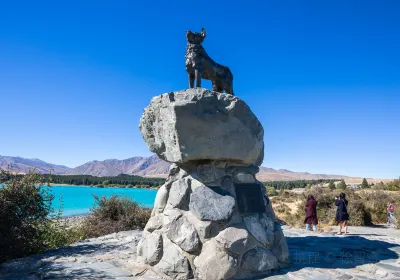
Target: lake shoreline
(110,187)
(78,201)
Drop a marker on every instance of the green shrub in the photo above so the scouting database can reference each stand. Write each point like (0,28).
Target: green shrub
(114,214)
(24,207)
(376,202)
(271,191)
(393,185)
(28,224)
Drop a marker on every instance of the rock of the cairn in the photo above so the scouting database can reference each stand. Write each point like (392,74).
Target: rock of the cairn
(198,228)
(198,124)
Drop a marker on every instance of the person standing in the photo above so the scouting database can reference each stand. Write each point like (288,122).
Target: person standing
(390,210)
(311,213)
(342,216)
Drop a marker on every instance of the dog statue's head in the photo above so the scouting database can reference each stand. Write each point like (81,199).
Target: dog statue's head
(195,37)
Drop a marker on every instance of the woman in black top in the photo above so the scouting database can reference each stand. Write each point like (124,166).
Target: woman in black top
(342,216)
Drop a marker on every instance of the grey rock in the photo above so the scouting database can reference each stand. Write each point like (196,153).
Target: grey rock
(269,211)
(215,263)
(179,194)
(270,237)
(154,223)
(280,248)
(234,169)
(228,185)
(207,205)
(194,183)
(175,173)
(161,199)
(183,234)
(256,229)
(174,263)
(258,260)
(204,228)
(245,177)
(207,173)
(151,248)
(235,240)
(267,222)
(198,124)
(171,215)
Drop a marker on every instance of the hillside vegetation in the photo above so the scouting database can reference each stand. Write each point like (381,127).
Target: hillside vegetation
(366,206)
(122,180)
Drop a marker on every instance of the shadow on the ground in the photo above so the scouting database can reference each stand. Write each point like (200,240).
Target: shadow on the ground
(50,265)
(336,252)
(379,226)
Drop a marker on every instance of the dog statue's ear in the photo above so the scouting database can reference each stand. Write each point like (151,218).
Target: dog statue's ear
(203,32)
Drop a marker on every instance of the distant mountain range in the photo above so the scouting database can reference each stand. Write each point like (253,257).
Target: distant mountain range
(141,166)
(22,165)
(150,167)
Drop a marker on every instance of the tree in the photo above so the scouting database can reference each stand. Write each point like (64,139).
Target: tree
(331,185)
(364,184)
(106,183)
(342,185)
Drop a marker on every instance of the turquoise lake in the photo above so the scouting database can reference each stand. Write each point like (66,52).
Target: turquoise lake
(77,200)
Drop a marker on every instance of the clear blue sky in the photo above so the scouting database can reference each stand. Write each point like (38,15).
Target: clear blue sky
(322,76)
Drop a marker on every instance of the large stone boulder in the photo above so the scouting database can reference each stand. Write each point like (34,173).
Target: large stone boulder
(150,248)
(174,263)
(207,205)
(198,124)
(214,263)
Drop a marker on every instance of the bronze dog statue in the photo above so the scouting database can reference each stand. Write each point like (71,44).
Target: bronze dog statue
(199,65)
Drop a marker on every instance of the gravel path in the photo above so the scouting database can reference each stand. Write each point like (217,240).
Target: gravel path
(365,253)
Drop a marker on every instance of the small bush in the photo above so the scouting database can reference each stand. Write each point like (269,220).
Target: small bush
(114,214)
(28,224)
(376,202)
(271,191)
(24,207)
(397,215)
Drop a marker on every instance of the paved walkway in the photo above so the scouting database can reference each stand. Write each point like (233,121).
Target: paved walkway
(365,253)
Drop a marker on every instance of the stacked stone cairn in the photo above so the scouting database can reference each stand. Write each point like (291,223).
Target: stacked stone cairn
(211,219)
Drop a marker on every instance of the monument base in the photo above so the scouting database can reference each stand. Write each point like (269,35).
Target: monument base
(211,219)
